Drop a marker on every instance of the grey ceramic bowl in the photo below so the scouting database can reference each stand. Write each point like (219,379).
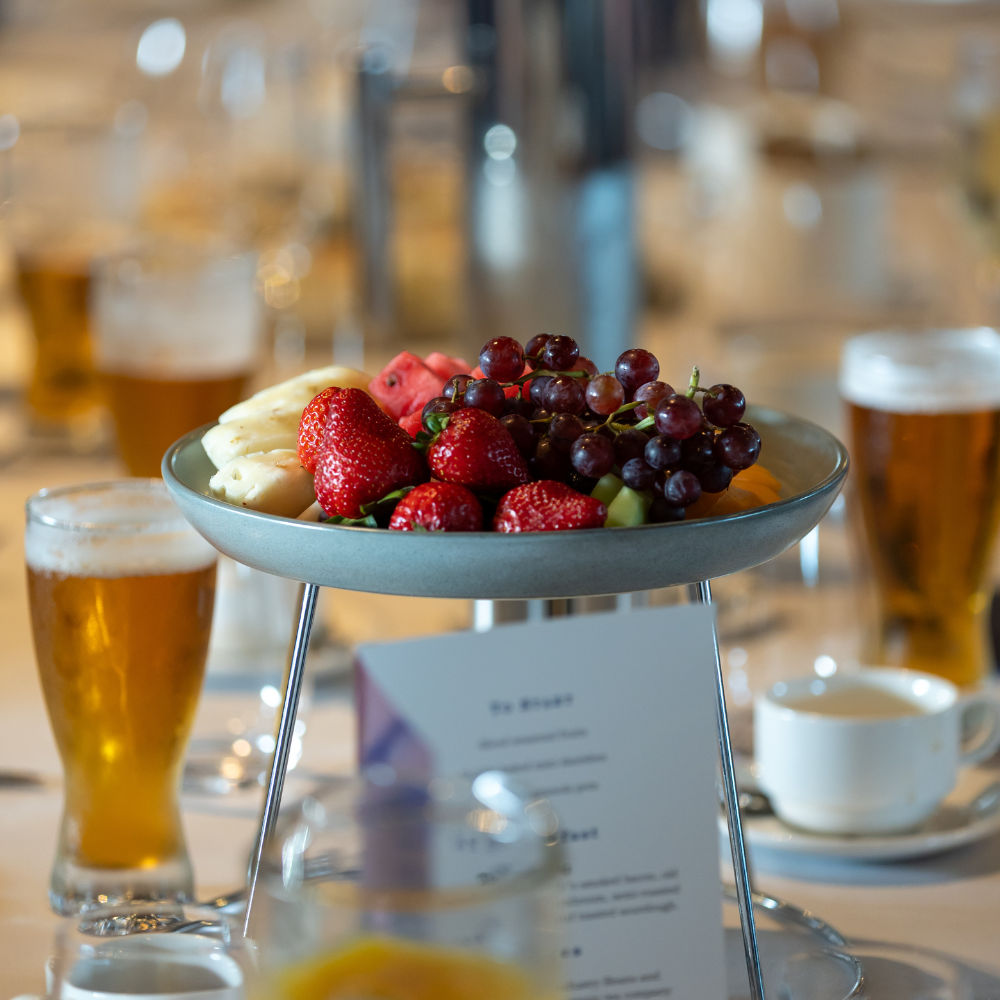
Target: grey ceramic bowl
(810,463)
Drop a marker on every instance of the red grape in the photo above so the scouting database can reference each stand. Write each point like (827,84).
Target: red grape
(521,430)
(605,394)
(651,393)
(438,405)
(661,512)
(634,368)
(637,475)
(697,453)
(485,394)
(715,479)
(519,404)
(583,364)
(537,390)
(502,359)
(599,427)
(738,447)
(564,394)
(456,385)
(592,455)
(662,452)
(534,348)
(682,489)
(560,353)
(677,417)
(550,463)
(724,405)
(630,444)
(564,429)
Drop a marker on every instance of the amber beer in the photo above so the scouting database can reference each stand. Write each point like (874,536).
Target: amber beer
(121,592)
(176,333)
(150,414)
(54,289)
(925,429)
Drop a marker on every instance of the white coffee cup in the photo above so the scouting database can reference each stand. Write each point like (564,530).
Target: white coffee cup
(873,752)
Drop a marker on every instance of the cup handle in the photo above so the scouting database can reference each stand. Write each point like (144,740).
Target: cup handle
(985,740)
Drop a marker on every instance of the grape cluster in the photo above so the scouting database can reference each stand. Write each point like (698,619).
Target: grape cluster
(575,424)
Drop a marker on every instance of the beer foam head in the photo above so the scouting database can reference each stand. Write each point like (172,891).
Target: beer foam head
(198,319)
(130,527)
(936,371)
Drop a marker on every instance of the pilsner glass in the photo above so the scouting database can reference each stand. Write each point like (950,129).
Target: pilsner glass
(121,591)
(70,190)
(402,891)
(924,414)
(176,336)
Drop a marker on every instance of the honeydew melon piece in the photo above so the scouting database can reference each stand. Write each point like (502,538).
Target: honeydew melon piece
(607,488)
(273,482)
(256,432)
(293,395)
(629,508)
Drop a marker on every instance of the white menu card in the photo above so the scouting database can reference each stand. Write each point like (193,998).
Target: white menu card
(611,717)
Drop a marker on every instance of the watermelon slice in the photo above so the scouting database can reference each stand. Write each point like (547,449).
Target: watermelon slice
(509,393)
(444,366)
(412,423)
(405,385)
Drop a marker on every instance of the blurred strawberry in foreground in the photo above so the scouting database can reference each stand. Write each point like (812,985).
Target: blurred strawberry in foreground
(438,507)
(312,427)
(364,455)
(548,506)
(474,449)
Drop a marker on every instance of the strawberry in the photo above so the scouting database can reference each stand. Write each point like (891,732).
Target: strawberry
(311,428)
(364,455)
(438,507)
(548,506)
(474,449)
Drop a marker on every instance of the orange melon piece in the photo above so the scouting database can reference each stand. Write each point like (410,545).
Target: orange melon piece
(702,505)
(734,501)
(757,474)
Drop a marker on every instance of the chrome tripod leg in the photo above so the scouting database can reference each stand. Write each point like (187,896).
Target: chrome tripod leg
(283,740)
(701,593)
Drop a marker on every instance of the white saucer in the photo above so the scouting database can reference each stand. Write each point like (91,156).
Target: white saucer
(953,825)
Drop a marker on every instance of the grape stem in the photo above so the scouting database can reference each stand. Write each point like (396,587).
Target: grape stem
(621,409)
(643,424)
(693,384)
(530,375)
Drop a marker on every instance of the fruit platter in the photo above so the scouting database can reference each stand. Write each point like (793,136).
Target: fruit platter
(532,475)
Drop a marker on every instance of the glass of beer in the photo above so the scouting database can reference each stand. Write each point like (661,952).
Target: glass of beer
(70,188)
(924,414)
(121,591)
(176,332)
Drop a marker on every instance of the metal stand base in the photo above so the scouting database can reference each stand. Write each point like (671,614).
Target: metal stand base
(700,593)
(283,740)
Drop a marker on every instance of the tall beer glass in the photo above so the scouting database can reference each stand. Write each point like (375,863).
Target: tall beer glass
(121,590)
(176,336)
(924,414)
